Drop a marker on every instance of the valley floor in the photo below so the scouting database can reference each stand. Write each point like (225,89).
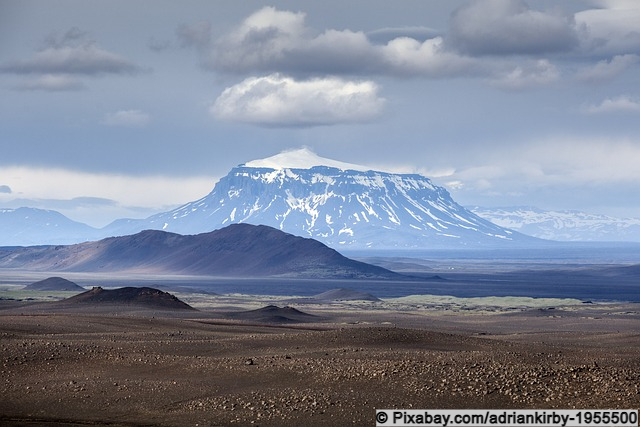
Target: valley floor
(143,368)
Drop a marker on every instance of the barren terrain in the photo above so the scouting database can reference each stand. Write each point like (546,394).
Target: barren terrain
(120,366)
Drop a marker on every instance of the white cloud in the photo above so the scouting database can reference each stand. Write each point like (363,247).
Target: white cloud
(604,70)
(555,165)
(535,74)
(277,100)
(611,30)
(407,56)
(621,104)
(261,39)
(127,118)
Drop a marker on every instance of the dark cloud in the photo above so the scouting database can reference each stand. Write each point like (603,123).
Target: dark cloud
(71,54)
(509,27)
(5,189)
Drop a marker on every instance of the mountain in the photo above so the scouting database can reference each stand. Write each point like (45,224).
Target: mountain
(238,250)
(30,226)
(340,204)
(563,225)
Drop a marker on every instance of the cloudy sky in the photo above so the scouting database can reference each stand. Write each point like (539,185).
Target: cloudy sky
(122,109)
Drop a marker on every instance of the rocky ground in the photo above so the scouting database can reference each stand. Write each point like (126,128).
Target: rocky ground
(131,369)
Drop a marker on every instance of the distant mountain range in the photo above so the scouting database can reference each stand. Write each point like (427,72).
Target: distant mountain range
(563,225)
(343,205)
(30,226)
(238,250)
(340,204)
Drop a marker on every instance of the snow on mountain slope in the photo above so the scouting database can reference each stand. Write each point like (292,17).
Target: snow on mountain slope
(563,225)
(341,205)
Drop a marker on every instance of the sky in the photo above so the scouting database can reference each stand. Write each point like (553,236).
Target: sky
(112,109)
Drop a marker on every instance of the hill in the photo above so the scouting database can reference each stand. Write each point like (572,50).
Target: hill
(274,314)
(239,250)
(142,297)
(54,284)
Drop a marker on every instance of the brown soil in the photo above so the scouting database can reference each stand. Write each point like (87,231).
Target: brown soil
(119,369)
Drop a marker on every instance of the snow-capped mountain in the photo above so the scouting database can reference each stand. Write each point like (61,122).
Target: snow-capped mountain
(563,225)
(342,205)
(30,226)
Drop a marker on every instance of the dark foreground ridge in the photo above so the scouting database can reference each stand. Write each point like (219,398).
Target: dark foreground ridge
(54,284)
(239,250)
(145,297)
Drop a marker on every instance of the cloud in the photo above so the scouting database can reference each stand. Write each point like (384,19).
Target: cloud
(52,83)
(60,63)
(605,71)
(271,40)
(111,195)
(509,27)
(613,29)
(409,57)
(504,41)
(276,100)
(556,166)
(198,34)
(385,35)
(5,189)
(621,104)
(127,118)
(525,76)
(85,59)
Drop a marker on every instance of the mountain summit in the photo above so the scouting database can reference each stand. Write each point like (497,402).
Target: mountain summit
(340,204)
(302,158)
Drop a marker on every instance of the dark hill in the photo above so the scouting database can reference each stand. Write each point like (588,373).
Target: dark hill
(54,284)
(144,297)
(240,250)
(274,314)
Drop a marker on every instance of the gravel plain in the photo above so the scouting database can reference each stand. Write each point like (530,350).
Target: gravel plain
(126,367)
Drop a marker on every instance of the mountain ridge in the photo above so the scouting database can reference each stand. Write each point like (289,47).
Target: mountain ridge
(563,225)
(238,250)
